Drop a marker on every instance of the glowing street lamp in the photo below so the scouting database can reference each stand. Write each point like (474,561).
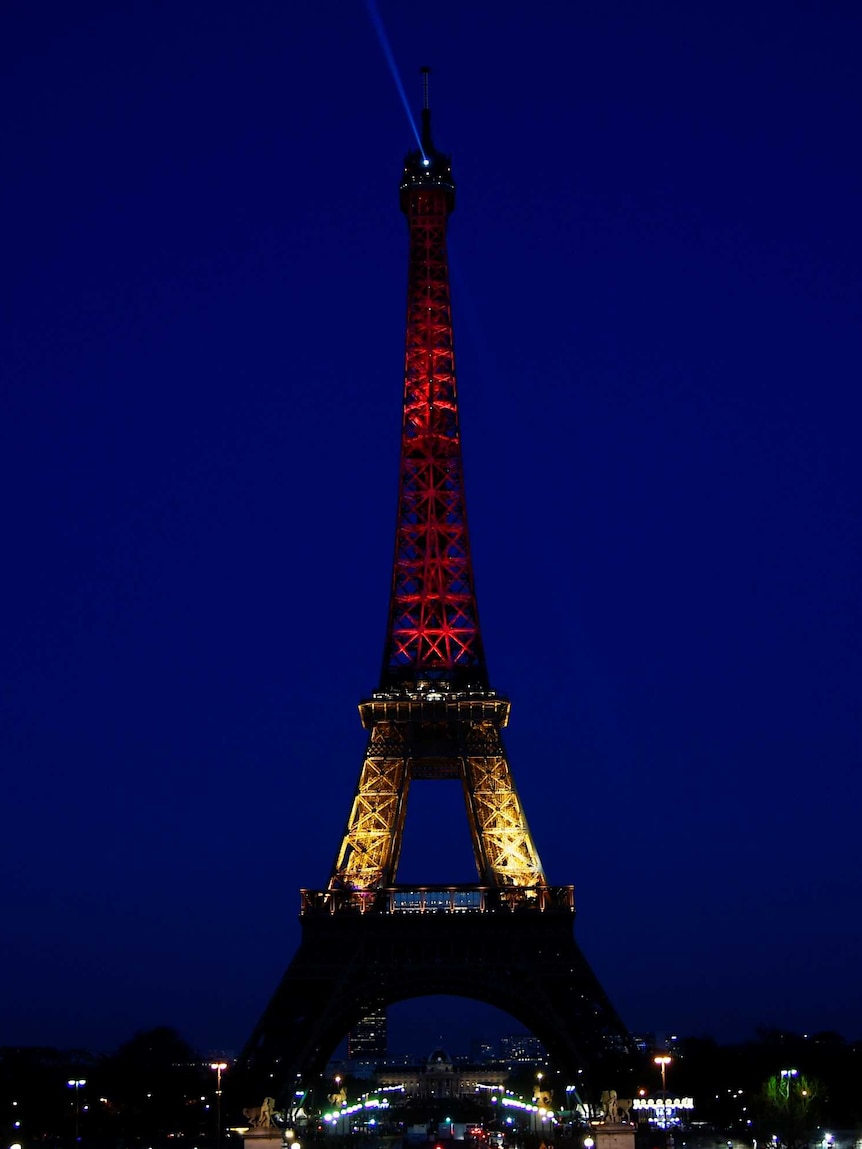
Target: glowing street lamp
(663,1061)
(786,1085)
(219,1067)
(76,1084)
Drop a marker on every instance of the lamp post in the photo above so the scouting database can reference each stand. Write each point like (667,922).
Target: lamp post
(339,1100)
(536,1119)
(76,1083)
(219,1067)
(662,1060)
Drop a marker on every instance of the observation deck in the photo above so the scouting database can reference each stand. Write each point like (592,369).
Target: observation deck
(435,705)
(443,900)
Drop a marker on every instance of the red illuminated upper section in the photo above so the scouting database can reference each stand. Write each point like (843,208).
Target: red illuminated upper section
(433,632)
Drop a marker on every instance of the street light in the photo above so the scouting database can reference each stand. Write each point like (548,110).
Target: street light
(786,1085)
(663,1061)
(218,1066)
(76,1083)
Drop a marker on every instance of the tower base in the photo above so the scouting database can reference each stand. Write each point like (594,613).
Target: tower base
(512,949)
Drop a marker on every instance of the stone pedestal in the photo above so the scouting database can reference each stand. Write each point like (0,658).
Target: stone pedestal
(614,1136)
(263,1139)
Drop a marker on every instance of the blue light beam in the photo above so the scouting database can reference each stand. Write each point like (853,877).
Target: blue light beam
(374,15)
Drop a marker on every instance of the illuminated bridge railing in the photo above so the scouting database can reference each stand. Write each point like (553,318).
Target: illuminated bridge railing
(440,900)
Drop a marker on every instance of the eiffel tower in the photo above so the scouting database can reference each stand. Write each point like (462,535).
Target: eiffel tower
(367,942)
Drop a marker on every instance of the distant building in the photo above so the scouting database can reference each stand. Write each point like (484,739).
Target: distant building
(651,1042)
(367,1040)
(440,1077)
(401,1060)
(482,1051)
(363,1070)
(522,1048)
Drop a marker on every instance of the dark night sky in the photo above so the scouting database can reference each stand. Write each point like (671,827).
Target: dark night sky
(656,284)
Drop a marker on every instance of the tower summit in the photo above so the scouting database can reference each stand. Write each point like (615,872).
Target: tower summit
(506,939)
(426,167)
(433,627)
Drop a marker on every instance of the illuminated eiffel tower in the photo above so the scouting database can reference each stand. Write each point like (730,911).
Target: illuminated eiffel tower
(366,941)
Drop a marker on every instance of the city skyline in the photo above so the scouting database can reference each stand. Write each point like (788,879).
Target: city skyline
(655,261)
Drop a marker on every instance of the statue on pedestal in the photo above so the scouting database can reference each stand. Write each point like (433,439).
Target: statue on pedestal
(617,1109)
(261,1116)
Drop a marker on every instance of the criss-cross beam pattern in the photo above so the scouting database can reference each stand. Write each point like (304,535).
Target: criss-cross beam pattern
(435,716)
(368,856)
(506,853)
(433,629)
(454,735)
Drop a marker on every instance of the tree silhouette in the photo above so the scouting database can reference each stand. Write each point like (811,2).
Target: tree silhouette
(790,1103)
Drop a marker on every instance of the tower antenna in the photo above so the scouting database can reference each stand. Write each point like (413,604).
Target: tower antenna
(427,146)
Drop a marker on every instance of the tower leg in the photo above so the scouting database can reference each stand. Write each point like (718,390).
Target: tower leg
(525,963)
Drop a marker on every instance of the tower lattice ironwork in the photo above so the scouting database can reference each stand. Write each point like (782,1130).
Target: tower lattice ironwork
(366,941)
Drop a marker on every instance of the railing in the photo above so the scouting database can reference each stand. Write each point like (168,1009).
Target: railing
(450,706)
(440,900)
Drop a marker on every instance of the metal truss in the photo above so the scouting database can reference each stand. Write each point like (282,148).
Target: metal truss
(525,962)
(433,621)
(450,735)
(428,725)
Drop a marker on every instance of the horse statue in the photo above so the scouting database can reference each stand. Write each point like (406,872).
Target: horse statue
(617,1109)
(261,1116)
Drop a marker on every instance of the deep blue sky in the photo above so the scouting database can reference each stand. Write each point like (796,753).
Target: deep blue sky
(656,282)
